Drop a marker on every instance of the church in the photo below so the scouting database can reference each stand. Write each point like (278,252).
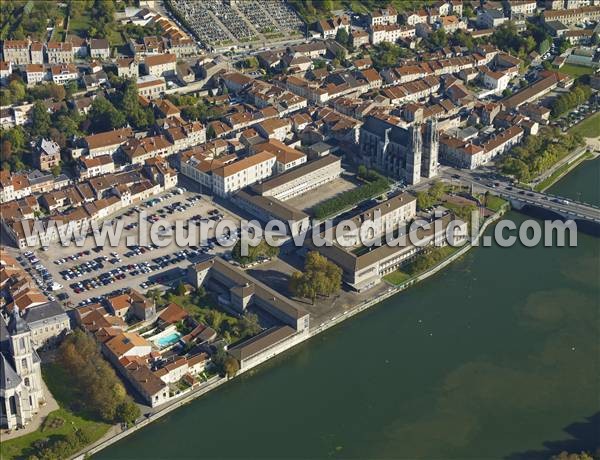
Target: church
(21,391)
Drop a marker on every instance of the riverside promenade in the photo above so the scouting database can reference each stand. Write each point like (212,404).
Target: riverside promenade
(116,434)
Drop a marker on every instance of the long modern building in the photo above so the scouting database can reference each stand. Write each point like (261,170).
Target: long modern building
(404,151)
(301,179)
(364,267)
(239,291)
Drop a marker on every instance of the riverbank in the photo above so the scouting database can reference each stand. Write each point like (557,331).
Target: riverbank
(116,434)
(500,335)
(564,169)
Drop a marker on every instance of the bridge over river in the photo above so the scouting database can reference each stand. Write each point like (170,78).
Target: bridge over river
(544,204)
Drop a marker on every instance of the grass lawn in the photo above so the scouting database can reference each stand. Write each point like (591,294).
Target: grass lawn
(80,25)
(575,70)
(590,127)
(396,278)
(494,203)
(59,423)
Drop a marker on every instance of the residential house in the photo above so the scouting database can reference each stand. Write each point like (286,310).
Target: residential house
(63,73)
(46,155)
(99,48)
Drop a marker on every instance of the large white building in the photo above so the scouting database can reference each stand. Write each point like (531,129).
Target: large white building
(239,174)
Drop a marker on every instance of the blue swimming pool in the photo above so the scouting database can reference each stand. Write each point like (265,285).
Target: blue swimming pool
(167,340)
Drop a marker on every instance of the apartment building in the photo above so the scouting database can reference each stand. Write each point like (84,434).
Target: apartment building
(527,8)
(329,27)
(160,65)
(573,16)
(286,157)
(46,155)
(16,51)
(59,52)
(359,38)
(150,86)
(239,174)
(382,16)
(362,270)
(274,128)
(389,33)
(90,167)
(267,209)
(138,151)
(379,220)
(106,143)
(466,154)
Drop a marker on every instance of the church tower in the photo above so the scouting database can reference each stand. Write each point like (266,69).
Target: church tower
(430,149)
(26,364)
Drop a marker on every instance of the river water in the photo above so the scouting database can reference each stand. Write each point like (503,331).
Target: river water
(496,357)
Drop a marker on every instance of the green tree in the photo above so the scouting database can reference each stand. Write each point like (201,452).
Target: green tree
(128,412)
(5,151)
(544,45)
(319,277)
(80,357)
(6,97)
(56,92)
(261,250)
(103,116)
(231,366)
(180,290)
(126,100)
(210,132)
(437,190)
(342,36)
(40,120)
(438,38)
(249,325)
(225,364)
(17,90)
(424,200)
(56,170)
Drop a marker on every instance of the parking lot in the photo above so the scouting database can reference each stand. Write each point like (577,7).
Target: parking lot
(577,115)
(91,270)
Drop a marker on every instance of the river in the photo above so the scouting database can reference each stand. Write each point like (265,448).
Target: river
(495,357)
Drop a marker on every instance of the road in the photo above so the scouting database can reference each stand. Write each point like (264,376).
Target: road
(481,181)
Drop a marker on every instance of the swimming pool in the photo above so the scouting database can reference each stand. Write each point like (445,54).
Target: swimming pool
(167,340)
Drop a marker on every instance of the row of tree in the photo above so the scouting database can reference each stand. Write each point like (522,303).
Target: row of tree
(320,277)
(568,101)
(426,259)
(98,388)
(538,153)
(351,197)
